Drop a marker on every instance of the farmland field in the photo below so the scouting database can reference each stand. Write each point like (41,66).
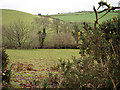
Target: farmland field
(41,59)
(83,17)
(10,16)
(40,56)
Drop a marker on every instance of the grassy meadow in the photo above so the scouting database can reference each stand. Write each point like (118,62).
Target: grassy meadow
(40,56)
(43,60)
(10,16)
(83,17)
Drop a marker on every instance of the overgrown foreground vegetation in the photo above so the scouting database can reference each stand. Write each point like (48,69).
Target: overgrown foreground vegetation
(97,67)
(35,64)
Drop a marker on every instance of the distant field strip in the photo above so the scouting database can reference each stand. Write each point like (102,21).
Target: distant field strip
(40,56)
(83,17)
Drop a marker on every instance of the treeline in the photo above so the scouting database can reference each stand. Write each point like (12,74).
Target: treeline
(43,32)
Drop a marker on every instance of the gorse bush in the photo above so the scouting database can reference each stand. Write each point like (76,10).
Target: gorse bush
(99,66)
(103,46)
(80,73)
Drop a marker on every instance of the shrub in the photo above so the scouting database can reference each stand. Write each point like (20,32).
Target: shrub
(99,63)
(5,71)
(80,73)
(103,46)
(22,67)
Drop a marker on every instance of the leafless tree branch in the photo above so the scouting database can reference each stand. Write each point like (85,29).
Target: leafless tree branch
(108,9)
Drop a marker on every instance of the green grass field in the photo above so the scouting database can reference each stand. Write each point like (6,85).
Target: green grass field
(10,16)
(83,17)
(42,60)
(40,56)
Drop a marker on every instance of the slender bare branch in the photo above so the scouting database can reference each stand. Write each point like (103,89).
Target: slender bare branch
(103,15)
(108,9)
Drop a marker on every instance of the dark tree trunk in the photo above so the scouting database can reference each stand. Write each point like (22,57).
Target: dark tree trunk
(19,43)
(57,29)
(43,37)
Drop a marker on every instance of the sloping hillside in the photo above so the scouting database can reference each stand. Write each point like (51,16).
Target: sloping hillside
(85,16)
(9,16)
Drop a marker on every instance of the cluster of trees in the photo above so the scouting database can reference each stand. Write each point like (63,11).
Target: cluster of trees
(44,32)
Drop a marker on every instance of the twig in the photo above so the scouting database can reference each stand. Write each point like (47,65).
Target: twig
(104,15)
(112,47)
(60,83)
(112,82)
(108,10)
(101,3)
(95,14)
(102,11)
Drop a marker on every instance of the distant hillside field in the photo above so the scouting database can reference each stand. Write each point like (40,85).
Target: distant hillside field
(9,16)
(83,16)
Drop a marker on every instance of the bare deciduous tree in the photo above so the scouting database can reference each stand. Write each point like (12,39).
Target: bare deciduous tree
(16,34)
(56,24)
(65,27)
(42,22)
